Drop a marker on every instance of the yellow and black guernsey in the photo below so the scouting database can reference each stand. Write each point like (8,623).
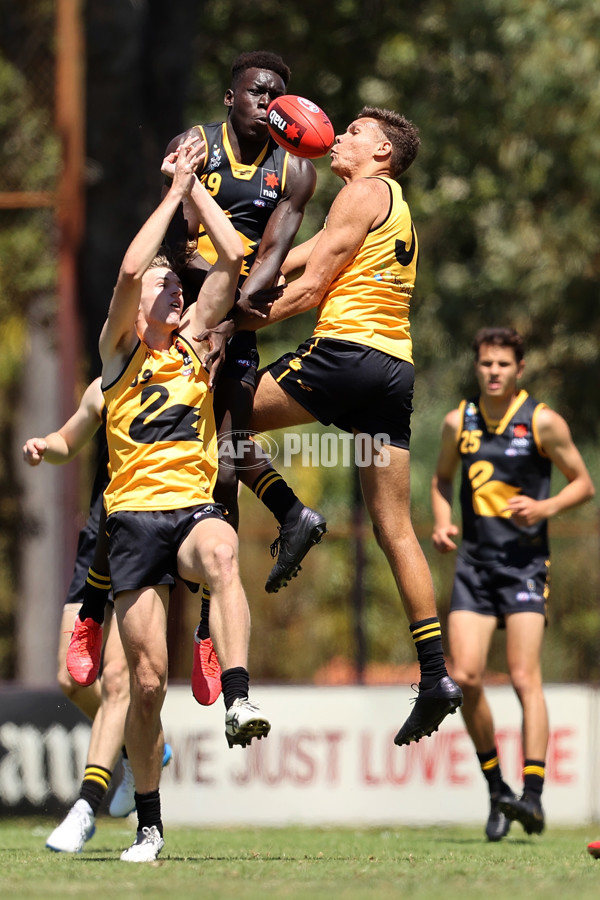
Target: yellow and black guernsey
(500,460)
(248,194)
(369,301)
(161,432)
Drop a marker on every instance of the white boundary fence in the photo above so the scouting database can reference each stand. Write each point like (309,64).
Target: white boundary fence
(330,759)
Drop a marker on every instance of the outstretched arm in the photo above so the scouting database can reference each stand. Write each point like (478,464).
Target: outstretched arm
(218,290)
(118,333)
(282,227)
(357,207)
(63,445)
(182,231)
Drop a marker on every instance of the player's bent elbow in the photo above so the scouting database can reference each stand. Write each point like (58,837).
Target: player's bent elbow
(591,492)
(236,253)
(128,273)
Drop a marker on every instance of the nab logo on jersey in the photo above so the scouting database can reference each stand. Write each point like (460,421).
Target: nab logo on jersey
(270,190)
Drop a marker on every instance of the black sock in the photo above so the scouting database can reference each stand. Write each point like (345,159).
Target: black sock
(277,496)
(95,595)
(203,631)
(95,785)
(427,636)
(148,810)
(534,772)
(235,683)
(490,766)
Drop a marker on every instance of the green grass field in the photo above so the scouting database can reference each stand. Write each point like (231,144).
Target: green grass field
(450,863)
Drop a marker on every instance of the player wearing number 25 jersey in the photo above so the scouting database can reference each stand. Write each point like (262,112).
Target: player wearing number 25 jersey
(500,460)
(505,443)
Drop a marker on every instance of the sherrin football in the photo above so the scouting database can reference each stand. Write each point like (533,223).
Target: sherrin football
(300,126)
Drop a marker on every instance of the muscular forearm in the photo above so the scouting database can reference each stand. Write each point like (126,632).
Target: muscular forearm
(298,297)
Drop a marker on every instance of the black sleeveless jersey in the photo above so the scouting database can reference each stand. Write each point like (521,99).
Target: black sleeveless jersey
(500,460)
(247,193)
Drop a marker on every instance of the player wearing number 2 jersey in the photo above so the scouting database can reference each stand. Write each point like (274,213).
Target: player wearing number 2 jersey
(162,522)
(505,443)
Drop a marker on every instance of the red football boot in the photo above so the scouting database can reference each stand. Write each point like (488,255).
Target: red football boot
(84,651)
(206,672)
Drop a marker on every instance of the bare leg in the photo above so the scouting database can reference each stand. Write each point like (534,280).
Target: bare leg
(386,489)
(209,553)
(273,408)
(108,727)
(470,636)
(524,636)
(142,617)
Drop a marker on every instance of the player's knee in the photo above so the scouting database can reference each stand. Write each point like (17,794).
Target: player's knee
(467,679)
(115,680)
(69,687)
(525,681)
(148,688)
(221,562)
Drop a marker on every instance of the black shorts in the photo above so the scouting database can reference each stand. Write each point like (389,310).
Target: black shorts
(86,548)
(351,386)
(501,590)
(241,359)
(143,546)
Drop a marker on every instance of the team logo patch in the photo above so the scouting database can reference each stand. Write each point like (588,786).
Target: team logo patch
(270,187)
(520,444)
(215,160)
(471,422)
(530,595)
(202,512)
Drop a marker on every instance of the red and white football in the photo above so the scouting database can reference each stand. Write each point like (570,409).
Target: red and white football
(300,126)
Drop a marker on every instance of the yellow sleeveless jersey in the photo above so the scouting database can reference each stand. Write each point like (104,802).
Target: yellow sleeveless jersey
(161,432)
(369,300)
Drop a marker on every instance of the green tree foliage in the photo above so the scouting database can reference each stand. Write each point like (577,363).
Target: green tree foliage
(28,162)
(505,194)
